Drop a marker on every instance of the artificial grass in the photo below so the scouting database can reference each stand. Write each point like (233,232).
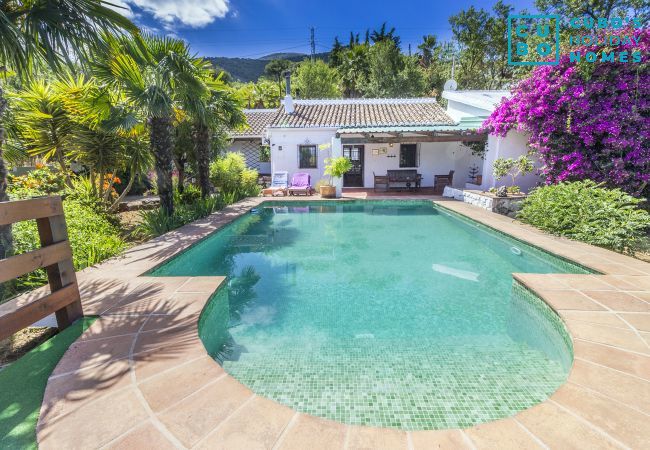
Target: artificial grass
(22,386)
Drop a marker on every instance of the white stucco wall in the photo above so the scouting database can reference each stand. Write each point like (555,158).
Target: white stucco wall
(436,158)
(284,149)
(459,110)
(513,145)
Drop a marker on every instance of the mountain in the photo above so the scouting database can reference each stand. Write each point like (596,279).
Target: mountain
(248,69)
(289,56)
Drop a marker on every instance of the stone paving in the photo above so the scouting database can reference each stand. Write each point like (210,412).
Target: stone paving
(140,377)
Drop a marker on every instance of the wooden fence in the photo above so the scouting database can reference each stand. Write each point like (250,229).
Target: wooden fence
(55,256)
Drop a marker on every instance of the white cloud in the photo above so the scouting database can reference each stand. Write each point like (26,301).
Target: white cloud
(193,13)
(121,7)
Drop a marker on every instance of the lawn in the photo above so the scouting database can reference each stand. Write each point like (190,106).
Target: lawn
(22,385)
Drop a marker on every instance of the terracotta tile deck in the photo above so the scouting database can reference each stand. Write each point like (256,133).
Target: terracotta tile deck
(140,377)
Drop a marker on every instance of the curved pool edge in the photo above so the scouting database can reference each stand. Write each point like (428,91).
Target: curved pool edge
(148,384)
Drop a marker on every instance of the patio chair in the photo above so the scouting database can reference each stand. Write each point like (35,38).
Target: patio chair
(300,184)
(440,181)
(278,184)
(381,179)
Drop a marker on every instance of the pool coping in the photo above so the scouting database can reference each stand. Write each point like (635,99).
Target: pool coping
(140,376)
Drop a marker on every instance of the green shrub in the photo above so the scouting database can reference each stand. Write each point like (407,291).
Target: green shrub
(93,236)
(231,177)
(38,182)
(83,191)
(587,212)
(190,194)
(156,222)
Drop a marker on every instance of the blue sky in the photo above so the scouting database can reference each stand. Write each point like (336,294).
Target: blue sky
(254,28)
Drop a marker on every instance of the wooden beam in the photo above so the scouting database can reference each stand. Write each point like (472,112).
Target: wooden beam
(52,230)
(14,315)
(18,265)
(415,139)
(34,208)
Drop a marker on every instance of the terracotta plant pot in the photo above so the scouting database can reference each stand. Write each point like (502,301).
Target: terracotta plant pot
(328,191)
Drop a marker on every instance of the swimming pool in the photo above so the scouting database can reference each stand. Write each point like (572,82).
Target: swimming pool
(384,313)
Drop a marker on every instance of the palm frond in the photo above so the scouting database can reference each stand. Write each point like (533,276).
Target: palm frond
(56,32)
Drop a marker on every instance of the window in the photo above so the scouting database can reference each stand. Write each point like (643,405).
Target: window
(307,157)
(408,155)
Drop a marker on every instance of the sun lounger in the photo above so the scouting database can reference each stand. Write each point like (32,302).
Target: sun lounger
(300,184)
(279,182)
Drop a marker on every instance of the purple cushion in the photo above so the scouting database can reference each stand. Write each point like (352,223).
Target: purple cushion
(300,180)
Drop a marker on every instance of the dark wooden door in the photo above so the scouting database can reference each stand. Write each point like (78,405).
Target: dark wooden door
(354,177)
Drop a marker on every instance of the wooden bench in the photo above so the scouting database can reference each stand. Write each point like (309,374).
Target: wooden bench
(410,177)
(55,256)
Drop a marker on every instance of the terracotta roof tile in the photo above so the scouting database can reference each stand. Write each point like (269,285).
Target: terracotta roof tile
(257,121)
(348,113)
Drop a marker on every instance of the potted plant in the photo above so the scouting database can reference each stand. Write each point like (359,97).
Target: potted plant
(335,168)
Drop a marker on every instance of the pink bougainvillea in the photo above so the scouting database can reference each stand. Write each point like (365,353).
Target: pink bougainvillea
(587,120)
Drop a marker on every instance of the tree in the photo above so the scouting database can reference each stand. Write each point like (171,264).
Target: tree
(354,39)
(429,43)
(317,80)
(154,75)
(336,54)
(482,37)
(391,74)
(586,121)
(53,33)
(384,65)
(382,35)
(275,70)
(595,9)
(503,167)
(107,136)
(211,115)
(262,94)
(411,78)
(43,124)
(183,150)
(354,70)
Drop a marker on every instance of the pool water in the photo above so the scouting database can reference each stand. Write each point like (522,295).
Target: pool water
(393,314)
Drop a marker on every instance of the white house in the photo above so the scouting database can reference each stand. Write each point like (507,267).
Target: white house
(480,104)
(379,135)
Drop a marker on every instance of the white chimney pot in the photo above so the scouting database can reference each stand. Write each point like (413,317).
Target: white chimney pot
(288,104)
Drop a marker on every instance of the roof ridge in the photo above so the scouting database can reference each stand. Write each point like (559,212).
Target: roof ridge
(365,101)
(254,110)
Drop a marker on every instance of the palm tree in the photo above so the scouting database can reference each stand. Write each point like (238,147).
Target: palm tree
(214,109)
(354,70)
(155,75)
(429,43)
(53,33)
(383,35)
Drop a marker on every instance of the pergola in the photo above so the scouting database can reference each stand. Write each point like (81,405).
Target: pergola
(464,131)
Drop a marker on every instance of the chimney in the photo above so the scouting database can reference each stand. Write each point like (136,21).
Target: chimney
(288,101)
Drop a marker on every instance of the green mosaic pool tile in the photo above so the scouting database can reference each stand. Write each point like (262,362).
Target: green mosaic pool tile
(423,387)
(380,314)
